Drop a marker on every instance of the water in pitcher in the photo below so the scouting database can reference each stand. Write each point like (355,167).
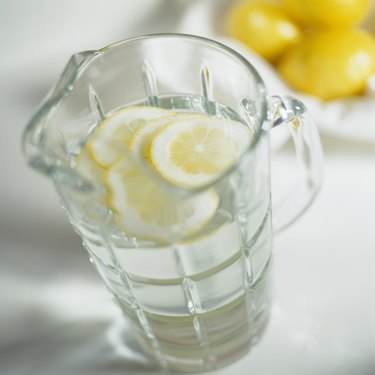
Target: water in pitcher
(184,250)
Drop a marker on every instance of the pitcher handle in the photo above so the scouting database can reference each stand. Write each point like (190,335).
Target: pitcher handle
(291,112)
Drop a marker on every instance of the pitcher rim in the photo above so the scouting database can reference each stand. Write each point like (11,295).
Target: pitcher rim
(52,99)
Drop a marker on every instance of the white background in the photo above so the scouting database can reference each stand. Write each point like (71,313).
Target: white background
(54,310)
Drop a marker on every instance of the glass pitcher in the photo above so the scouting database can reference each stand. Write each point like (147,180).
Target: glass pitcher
(190,271)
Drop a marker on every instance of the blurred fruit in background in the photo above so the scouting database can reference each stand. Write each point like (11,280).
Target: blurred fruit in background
(314,44)
(327,13)
(264,26)
(330,63)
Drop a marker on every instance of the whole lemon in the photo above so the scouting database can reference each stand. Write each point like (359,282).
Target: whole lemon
(330,63)
(328,13)
(263,26)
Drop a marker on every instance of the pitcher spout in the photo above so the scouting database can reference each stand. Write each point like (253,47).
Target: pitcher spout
(40,153)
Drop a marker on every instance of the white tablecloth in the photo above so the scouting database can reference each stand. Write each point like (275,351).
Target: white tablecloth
(56,317)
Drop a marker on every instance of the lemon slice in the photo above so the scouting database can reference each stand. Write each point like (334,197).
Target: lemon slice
(144,208)
(86,166)
(110,139)
(143,205)
(192,152)
(141,140)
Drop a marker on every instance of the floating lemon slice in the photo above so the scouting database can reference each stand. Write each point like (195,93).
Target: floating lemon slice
(141,140)
(109,142)
(192,152)
(143,205)
(86,166)
(145,208)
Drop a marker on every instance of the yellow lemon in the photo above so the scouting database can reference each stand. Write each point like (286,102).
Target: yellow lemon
(192,152)
(328,13)
(330,63)
(263,26)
